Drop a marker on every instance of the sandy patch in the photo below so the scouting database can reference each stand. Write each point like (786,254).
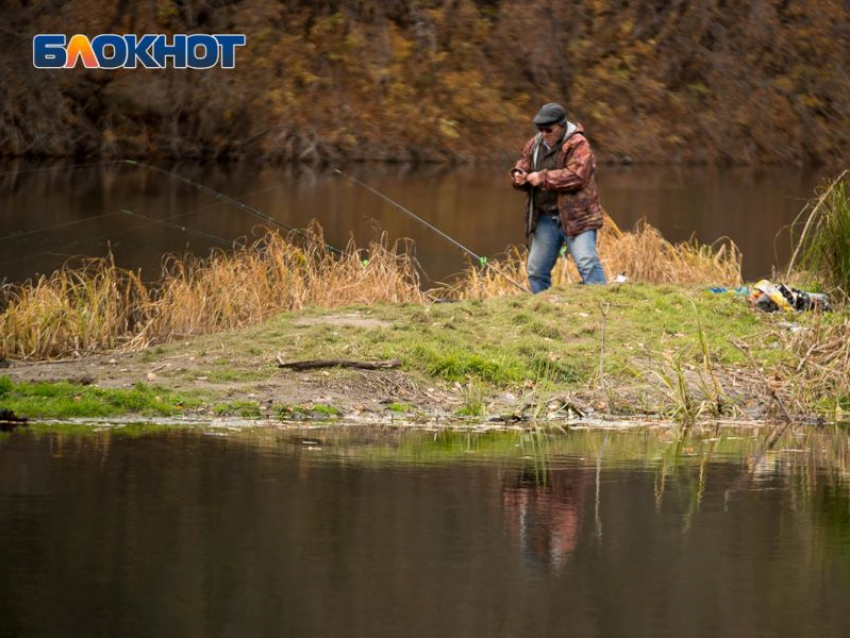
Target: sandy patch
(354,319)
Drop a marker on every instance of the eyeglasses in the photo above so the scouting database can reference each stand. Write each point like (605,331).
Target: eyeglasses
(546,129)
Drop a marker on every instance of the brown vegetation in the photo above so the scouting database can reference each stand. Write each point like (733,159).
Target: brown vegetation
(823,247)
(697,81)
(98,306)
(820,368)
(643,255)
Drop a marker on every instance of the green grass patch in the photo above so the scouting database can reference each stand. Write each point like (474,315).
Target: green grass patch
(245,409)
(471,408)
(67,400)
(319,411)
(235,375)
(325,409)
(401,408)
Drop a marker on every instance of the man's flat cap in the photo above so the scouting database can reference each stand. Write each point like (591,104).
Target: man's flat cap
(551,113)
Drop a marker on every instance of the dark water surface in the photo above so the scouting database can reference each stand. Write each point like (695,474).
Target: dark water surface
(588,534)
(476,206)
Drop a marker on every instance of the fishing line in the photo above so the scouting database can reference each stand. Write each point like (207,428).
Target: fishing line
(62,225)
(58,251)
(180,227)
(229,200)
(59,168)
(481,260)
(223,198)
(115,212)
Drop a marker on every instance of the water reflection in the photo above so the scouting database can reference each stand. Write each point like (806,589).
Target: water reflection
(472,204)
(545,519)
(181,533)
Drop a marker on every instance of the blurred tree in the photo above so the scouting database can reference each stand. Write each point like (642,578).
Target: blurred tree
(654,80)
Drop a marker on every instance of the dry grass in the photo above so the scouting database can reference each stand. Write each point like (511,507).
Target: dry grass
(79,308)
(821,367)
(823,247)
(229,290)
(643,255)
(818,379)
(98,306)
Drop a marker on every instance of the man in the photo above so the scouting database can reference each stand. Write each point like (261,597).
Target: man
(557,170)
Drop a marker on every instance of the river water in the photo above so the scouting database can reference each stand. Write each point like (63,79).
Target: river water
(358,532)
(80,208)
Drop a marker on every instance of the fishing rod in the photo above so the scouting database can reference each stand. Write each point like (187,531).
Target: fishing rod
(481,260)
(225,198)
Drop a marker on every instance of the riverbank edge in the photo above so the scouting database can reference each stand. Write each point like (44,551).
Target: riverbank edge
(635,351)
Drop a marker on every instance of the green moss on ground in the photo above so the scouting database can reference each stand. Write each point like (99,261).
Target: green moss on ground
(68,400)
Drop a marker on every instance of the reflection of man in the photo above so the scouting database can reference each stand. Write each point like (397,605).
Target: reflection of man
(557,170)
(546,519)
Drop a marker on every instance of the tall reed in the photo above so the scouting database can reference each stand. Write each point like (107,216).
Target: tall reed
(99,306)
(823,248)
(82,307)
(228,290)
(643,255)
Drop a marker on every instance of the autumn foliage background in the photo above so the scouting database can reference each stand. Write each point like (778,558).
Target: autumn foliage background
(653,80)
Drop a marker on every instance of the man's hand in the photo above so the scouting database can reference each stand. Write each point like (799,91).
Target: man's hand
(519,177)
(535,179)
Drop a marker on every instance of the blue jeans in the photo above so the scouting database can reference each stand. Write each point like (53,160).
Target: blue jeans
(546,244)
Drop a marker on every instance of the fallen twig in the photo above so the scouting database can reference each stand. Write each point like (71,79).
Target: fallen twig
(315,364)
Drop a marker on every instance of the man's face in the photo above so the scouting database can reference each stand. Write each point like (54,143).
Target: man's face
(551,132)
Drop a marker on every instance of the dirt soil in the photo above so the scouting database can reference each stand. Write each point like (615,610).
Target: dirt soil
(200,366)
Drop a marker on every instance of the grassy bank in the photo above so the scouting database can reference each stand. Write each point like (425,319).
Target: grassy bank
(678,352)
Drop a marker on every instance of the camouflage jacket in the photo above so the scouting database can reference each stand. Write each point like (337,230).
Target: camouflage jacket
(578,197)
